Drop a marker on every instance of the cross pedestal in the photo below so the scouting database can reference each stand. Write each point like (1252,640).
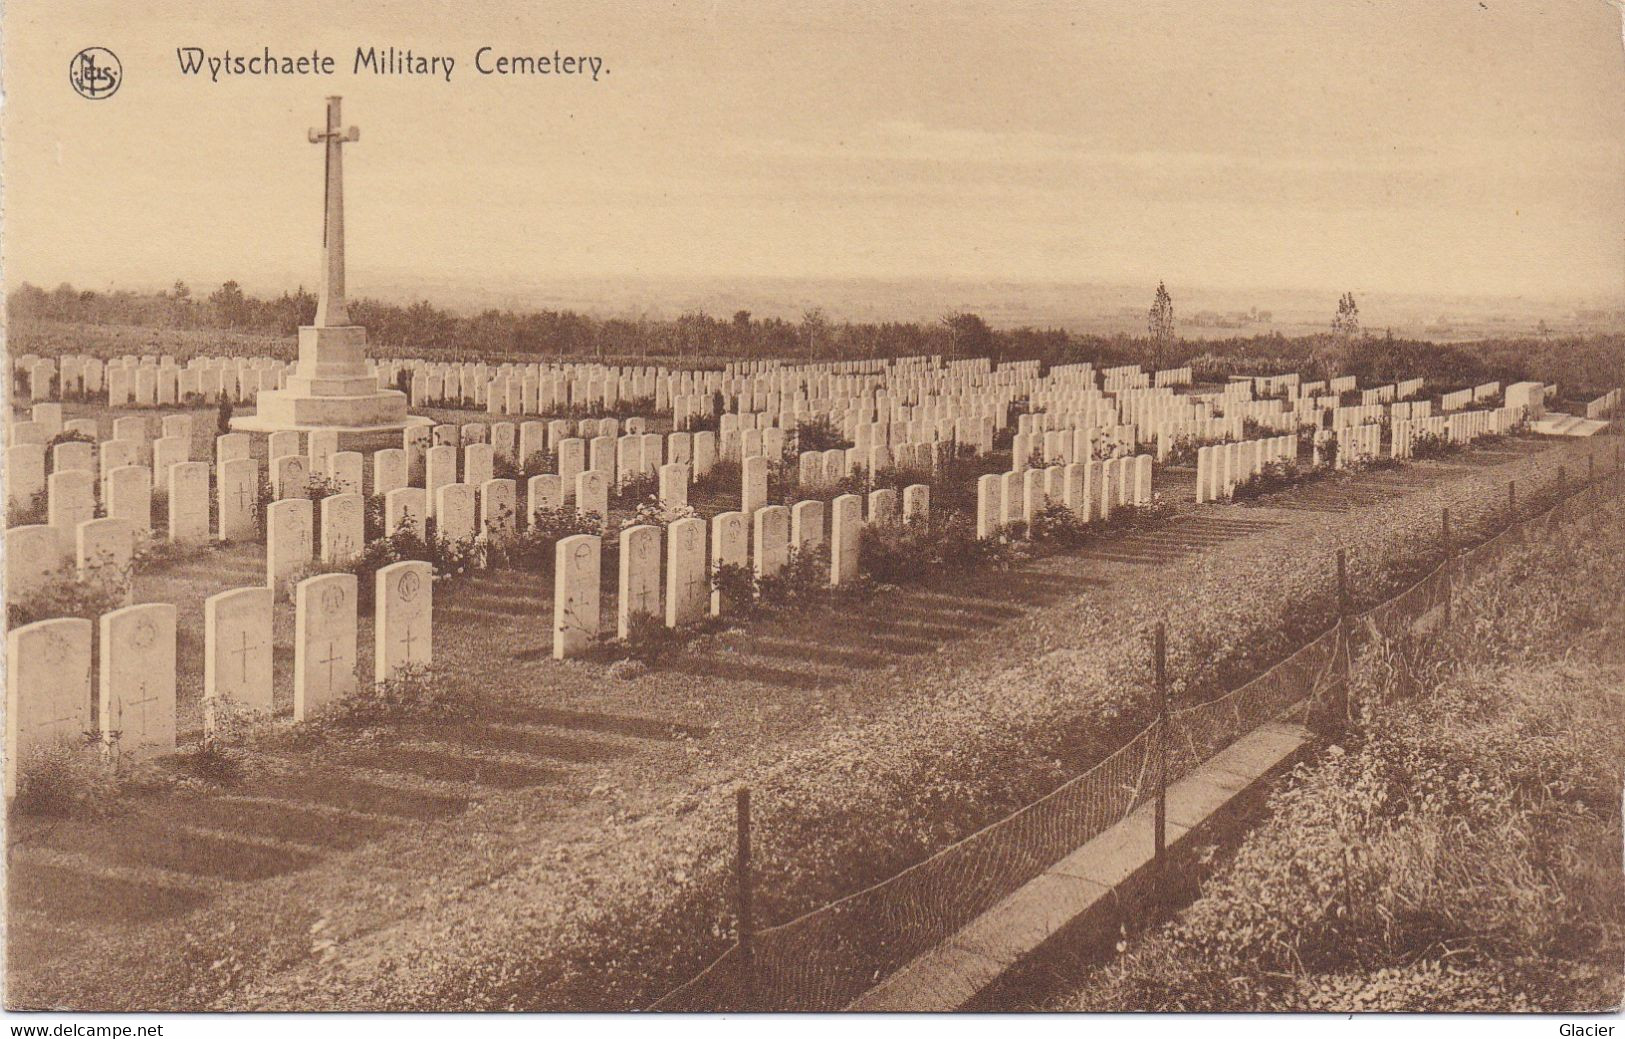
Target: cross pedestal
(331,388)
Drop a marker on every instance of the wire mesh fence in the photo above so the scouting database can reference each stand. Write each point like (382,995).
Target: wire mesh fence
(825,959)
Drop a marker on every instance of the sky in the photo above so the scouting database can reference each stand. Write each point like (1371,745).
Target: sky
(1426,147)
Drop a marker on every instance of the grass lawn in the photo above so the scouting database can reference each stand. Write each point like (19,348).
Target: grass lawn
(357,854)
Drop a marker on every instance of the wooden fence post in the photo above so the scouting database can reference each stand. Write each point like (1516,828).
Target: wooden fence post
(1448,584)
(1343,607)
(1159,653)
(742,876)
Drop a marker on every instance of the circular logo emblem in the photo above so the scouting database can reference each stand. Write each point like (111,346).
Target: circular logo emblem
(144,634)
(332,599)
(95,73)
(410,583)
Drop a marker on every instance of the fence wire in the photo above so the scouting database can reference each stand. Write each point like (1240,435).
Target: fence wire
(826,958)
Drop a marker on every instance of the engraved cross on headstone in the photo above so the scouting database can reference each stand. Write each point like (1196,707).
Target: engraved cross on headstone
(242,653)
(409,637)
(333,657)
(141,705)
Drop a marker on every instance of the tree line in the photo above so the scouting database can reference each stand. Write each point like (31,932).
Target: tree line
(1580,363)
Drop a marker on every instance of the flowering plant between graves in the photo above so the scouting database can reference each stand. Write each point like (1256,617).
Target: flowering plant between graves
(66,777)
(67,593)
(652,511)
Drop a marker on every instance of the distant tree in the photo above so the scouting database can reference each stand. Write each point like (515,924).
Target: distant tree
(1159,324)
(1346,325)
(230,304)
(968,335)
(814,329)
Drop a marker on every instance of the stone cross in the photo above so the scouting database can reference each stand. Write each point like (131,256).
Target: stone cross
(330,307)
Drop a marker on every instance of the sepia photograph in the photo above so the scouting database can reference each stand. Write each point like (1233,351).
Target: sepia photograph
(770,507)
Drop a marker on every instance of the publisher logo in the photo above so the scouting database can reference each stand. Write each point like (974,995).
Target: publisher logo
(96,73)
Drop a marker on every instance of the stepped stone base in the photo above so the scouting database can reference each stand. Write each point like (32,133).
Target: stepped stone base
(331,390)
(1558,424)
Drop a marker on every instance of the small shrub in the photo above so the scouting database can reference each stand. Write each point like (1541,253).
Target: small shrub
(817,433)
(66,594)
(535,548)
(653,511)
(1277,476)
(66,777)
(635,488)
(222,415)
(912,552)
(649,641)
(1433,445)
(736,584)
(36,511)
(212,761)
(416,694)
(723,478)
(804,579)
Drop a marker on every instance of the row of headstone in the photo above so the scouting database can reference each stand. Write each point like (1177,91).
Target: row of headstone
(1090,490)
(1221,468)
(762,545)
(48,675)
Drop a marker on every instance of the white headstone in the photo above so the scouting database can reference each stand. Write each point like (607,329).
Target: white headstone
(71,501)
(189,503)
(389,470)
(846,528)
(729,545)
(47,687)
(34,554)
(639,584)
(771,540)
(454,512)
(688,583)
(592,494)
(290,476)
(138,680)
(24,475)
(324,643)
(440,471)
(404,511)
(232,446)
(288,540)
(404,630)
(104,552)
(807,526)
(499,508)
(237,499)
(543,492)
(237,648)
(343,528)
(575,595)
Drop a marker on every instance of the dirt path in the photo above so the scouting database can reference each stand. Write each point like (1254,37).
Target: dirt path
(359,851)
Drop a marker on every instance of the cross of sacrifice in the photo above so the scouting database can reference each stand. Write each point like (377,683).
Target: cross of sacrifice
(330,306)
